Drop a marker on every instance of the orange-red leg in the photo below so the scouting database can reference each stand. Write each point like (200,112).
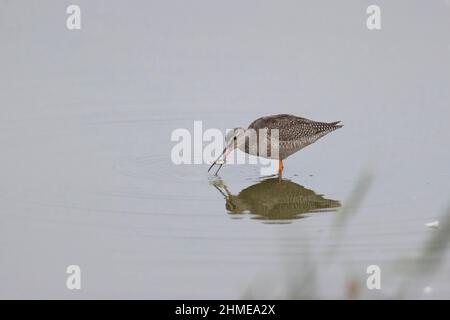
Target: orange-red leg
(280,167)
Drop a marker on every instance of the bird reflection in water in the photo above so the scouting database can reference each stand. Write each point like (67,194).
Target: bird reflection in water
(274,199)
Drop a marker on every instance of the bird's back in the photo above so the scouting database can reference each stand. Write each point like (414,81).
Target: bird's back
(293,128)
(294,133)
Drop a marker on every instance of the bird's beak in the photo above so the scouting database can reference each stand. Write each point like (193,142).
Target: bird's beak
(225,154)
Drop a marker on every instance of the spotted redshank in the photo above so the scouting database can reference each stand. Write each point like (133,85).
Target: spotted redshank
(294,133)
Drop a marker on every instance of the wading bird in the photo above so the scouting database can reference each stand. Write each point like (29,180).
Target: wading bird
(293,134)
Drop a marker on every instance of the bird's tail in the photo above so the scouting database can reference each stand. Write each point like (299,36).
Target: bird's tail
(336,124)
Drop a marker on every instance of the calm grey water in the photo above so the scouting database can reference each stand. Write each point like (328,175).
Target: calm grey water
(86,176)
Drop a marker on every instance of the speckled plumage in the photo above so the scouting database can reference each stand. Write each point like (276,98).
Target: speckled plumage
(260,139)
(295,133)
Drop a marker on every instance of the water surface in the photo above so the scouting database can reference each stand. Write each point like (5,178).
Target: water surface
(86,176)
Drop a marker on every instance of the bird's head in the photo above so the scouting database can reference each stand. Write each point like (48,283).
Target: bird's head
(234,139)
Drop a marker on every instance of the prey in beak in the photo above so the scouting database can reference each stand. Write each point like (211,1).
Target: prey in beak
(225,154)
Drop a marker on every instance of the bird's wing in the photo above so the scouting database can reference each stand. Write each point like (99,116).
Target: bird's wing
(292,127)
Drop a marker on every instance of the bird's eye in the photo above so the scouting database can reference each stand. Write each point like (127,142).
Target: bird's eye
(235,138)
